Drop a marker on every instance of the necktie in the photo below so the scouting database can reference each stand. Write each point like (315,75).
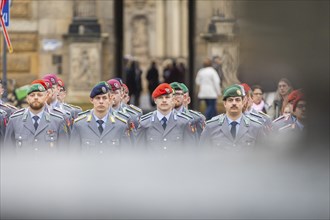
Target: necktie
(164,120)
(100,122)
(233,129)
(35,118)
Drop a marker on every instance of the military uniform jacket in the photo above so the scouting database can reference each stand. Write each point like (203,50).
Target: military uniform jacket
(86,137)
(21,136)
(217,136)
(177,135)
(282,121)
(199,119)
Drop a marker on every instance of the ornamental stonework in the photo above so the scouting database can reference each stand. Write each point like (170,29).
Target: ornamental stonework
(24,42)
(18,63)
(21,9)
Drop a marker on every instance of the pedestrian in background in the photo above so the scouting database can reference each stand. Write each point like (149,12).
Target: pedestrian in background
(208,82)
(258,101)
(283,90)
(133,81)
(153,80)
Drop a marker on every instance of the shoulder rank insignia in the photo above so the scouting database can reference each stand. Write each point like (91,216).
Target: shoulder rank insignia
(121,119)
(216,118)
(123,114)
(188,116)
(79,118)
(11,106)
(279,118)
(16,114)
(256,115)
(182,116)
(130,110)
(264,114)
(249,118)
(84,112)
(286,127)
(56,115)
(146,115)
(136,108)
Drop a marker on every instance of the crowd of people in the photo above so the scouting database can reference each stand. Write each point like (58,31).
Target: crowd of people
(49,124)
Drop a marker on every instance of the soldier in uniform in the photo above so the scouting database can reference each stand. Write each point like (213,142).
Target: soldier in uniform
(52,104)
(232,131)
(163,130)
(288,119)
(34,130)
(98,131)
(251,112)
(179,96)
(9,109)
(74,110)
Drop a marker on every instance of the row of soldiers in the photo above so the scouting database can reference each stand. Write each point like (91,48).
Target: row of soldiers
(49,124)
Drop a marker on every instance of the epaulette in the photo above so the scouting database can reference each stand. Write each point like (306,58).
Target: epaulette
(131,111)
(84,112)
(264,114)
(123,114)
(121,119)
(59,110)
(19,110)
(214,119)
(79,118)
(183,116)
(195,113)
(74,106)
(256,115)
(251,119)
(17,114)
(145,117)
(11,106)
(136,108)
(189,116)
(279,118)
(67,105)
(56,115)
(286,127)
(3,111)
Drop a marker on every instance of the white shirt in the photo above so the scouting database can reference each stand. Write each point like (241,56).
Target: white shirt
(209,83)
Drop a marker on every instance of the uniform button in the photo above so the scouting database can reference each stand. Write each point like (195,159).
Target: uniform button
(87,142)
(51,138)
(35,140)
(35,149)
(20,137)
(165,139)
(165,148)
(101,152)
(101,142)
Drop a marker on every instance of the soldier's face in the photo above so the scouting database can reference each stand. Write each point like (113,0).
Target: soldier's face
(178,99)
(116,97)
(234,105)
(101,103)
(61,95)
(164,102)
(36,100)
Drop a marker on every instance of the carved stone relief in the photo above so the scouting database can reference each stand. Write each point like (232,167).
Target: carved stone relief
(85,67)
(21,9)
(24,41)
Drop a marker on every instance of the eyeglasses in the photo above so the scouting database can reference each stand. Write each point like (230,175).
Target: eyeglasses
(300,106)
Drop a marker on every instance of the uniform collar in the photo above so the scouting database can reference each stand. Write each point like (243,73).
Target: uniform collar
(237,120)
(160,115)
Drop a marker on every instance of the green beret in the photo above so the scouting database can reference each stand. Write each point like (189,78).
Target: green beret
(233,91)
(176,86)
(184,88)
(36,88)
(104,83)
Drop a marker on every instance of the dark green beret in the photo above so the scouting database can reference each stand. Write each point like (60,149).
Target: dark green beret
(176,86)
(184,88)
(233,91)
(104,83)
(36,88)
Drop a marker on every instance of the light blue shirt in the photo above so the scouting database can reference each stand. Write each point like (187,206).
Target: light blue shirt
(237,120)
(160,116)
(39,115)
(104,119)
